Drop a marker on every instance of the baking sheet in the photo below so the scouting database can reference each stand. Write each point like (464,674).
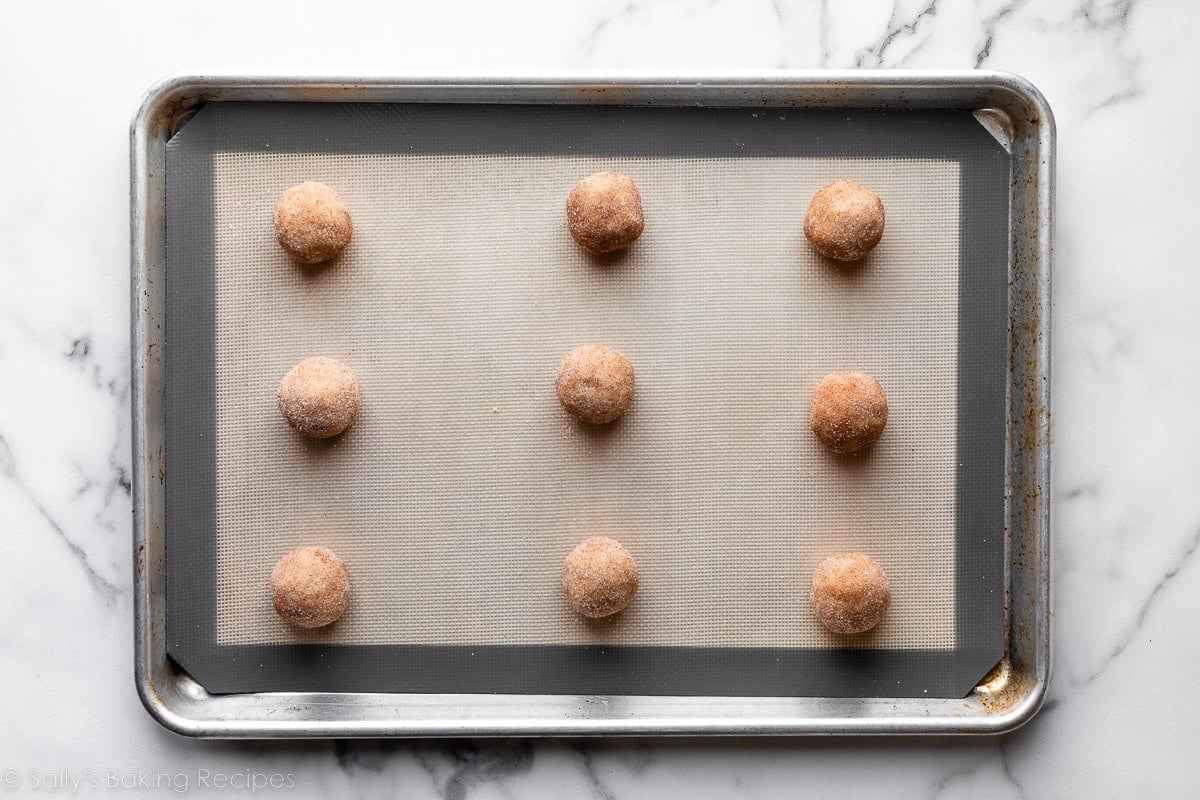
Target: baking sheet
(462,485)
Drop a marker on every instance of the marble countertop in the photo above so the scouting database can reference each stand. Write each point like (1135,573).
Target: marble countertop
(1121,77)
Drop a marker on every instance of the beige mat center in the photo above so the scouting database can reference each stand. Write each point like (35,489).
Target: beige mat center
(462,486)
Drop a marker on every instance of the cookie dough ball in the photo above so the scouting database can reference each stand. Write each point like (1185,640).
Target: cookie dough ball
(595,383)
(844,221)
(310,587)
(319,397)
(850,593)
(604,212)
(599,577)
(849,411)
(312,223)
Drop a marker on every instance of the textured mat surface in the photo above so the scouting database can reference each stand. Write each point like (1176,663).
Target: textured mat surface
(462,486)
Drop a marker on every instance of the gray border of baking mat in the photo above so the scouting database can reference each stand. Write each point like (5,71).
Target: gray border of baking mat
(190,454)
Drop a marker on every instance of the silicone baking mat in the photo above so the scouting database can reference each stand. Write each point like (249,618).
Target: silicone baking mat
(463,484)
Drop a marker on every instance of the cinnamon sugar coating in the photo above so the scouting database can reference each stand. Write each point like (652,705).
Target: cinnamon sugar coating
(844,221)
(595,383)
(310,587)
(604,212)
(849,411)
(850,593)
(319,397)
(599,577)
(312,223)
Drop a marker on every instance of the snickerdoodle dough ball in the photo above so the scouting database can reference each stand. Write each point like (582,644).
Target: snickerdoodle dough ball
(319,397)
(595,383)
(849,411)
(604,212)
(312,223)
(599,577)
(310,587)
(850,593)
(844,221)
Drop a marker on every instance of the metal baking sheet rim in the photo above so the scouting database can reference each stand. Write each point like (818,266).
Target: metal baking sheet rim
(1007,698)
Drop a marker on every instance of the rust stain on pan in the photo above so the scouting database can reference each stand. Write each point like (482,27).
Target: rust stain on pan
(1003,688)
